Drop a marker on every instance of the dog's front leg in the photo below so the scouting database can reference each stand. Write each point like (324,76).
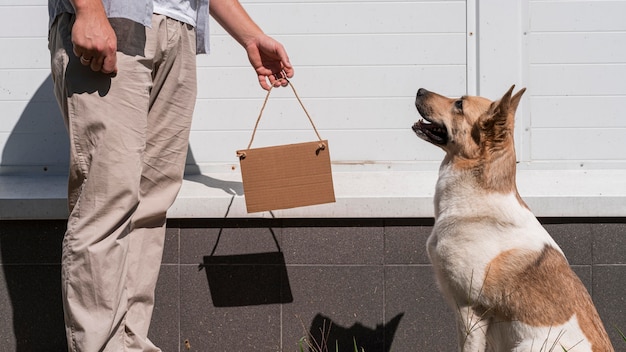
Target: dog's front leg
(472,329)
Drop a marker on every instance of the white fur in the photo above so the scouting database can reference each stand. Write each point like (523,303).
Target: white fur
(539,339)
(482,224)
(505,224)
(461,248)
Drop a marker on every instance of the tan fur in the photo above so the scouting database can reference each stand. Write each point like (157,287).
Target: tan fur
(540,289)
(506,277)
(481,134)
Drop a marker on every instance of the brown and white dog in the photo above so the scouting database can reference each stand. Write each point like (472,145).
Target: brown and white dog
(496,265)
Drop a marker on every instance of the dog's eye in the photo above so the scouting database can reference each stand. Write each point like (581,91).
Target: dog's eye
(459,104)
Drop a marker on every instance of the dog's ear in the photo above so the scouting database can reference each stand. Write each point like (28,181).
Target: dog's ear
(515,99)
(501,110)
(502,106)
(500,117)
(507,105)
(496,116)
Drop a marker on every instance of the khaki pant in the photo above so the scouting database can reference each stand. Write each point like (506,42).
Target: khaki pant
(128,141)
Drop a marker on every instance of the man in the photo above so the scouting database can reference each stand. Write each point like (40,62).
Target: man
(125,79)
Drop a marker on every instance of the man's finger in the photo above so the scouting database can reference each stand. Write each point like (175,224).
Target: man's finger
(85,60)
(96,64)
(109,65)
(288,70)
(263,82)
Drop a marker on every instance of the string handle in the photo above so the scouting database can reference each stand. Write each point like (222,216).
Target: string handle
(322,146)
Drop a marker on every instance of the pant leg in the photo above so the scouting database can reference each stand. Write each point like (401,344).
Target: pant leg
(129,138)
(107,121)
(172,102)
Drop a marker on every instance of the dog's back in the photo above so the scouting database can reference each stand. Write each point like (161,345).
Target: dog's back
(501,271)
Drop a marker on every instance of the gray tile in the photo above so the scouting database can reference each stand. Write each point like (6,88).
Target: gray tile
(208,328)
(335,273)
(30,242)
(405,242)
(574,239)
(334,243)
(194,243)
(584,273)
(228,238)
(427,323)
(609,243)
(6,325)
(171,253)
(165,323)
(349,298)
(609,296)
(33,296)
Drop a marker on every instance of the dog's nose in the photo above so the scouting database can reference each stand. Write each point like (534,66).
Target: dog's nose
(421,92)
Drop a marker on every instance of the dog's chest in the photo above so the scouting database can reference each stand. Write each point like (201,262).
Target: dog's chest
(471,229)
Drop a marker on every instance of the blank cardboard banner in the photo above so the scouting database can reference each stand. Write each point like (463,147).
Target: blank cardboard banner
(286,176)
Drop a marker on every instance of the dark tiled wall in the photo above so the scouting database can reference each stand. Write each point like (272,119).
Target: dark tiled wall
(368,279)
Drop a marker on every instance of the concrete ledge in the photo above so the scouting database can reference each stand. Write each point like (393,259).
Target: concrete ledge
(368,194)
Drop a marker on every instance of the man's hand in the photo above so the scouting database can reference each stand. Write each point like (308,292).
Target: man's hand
(267,56)
(270,61)
(95,42)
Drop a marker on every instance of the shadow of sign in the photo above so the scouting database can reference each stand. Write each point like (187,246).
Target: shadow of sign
(327,335)
(247,279)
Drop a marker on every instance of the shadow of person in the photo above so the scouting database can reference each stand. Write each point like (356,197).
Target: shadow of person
(330,336)
(31,256)
(194,174)
(30,251)
(38,141)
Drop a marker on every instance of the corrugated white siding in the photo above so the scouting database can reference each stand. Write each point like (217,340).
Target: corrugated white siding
(31,130)
(358,65)
(577,81)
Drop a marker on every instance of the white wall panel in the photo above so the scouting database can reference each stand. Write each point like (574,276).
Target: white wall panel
(30,149)
(577,16)
(337,82)
(578,111)
(286,113)
(358,66)
(350,50)
(45,118)
(24,53)
(21,2)
(23,21)
(347,17)
(22,84)
(577,82)
(578,79)
(580,47)
(582,144)
(362,147)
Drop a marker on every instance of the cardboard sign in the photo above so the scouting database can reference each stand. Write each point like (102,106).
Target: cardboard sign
(286,176)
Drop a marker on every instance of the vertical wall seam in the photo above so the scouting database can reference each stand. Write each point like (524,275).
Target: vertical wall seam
(471,47)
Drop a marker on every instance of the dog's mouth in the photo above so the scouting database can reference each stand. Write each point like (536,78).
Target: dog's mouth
(431,131)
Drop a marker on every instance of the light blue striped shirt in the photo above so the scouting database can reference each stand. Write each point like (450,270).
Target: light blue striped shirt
(193,12)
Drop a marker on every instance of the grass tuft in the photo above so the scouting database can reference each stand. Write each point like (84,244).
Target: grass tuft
(308,344)
(620,333)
